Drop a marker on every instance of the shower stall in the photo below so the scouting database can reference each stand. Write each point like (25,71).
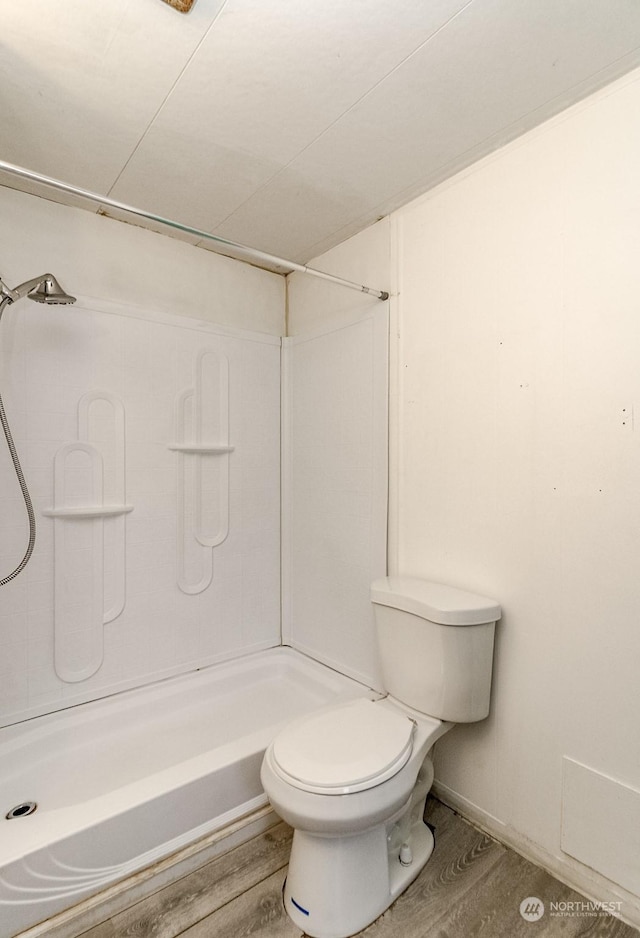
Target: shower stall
(211,507)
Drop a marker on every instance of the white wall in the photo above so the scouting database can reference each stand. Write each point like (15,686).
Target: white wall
(334,526)
(335,473)
(515,472)
(95,256)
(364,259)
(54,648)
(518,463)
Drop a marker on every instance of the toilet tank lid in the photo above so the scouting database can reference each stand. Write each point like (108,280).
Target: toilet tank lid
(436,602)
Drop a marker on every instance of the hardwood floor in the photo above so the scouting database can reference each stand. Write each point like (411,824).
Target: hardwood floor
(471,888)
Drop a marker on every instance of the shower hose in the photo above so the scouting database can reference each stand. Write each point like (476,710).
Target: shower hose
(23,485)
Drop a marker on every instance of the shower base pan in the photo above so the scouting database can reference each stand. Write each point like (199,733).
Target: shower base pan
(122,782)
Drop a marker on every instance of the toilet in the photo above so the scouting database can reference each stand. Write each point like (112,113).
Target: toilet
(352,778)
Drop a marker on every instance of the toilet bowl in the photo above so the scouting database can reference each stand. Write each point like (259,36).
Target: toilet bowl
(352,779)
(345,778)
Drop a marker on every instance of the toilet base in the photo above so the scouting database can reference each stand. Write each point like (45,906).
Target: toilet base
(336,886)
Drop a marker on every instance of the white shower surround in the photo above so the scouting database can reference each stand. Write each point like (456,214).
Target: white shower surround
(335,480)
(51,360)
(179,554)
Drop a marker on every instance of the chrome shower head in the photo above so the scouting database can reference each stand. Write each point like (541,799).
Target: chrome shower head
(49,291)
(44,289)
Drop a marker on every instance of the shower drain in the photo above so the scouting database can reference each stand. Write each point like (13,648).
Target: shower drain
(21,810)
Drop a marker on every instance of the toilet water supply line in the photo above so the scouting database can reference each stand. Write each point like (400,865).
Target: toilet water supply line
(249,252)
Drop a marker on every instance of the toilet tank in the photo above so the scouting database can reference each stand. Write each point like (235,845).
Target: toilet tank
(436,646)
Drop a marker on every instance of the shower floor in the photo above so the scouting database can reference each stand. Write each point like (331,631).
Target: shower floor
(125,781)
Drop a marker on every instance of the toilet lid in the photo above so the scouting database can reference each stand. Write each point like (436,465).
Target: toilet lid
(345,749)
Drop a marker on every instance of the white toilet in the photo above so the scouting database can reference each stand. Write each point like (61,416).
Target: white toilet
(352,779)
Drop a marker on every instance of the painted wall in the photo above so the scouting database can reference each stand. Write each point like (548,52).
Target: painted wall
(515,459)
(98,394)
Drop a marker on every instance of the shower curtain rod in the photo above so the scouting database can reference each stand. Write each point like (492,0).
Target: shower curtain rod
(23,173)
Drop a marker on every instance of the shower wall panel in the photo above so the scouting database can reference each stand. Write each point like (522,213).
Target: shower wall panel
(93,393)
(335,489)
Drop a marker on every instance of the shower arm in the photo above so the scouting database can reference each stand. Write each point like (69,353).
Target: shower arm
(20,291)
(271,259)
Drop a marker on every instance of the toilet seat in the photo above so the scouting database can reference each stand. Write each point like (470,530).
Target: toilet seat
(348,748)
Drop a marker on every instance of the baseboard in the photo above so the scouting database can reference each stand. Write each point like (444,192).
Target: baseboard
(573,874)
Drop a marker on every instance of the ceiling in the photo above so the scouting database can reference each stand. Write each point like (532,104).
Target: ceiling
(289,125)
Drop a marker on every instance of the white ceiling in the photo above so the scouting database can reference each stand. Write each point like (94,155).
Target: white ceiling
(289,124)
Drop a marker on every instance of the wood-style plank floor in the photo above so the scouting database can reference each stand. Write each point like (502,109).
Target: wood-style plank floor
(471,888)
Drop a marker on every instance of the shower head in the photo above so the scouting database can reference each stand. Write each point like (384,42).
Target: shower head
(44,289)
(49,291)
